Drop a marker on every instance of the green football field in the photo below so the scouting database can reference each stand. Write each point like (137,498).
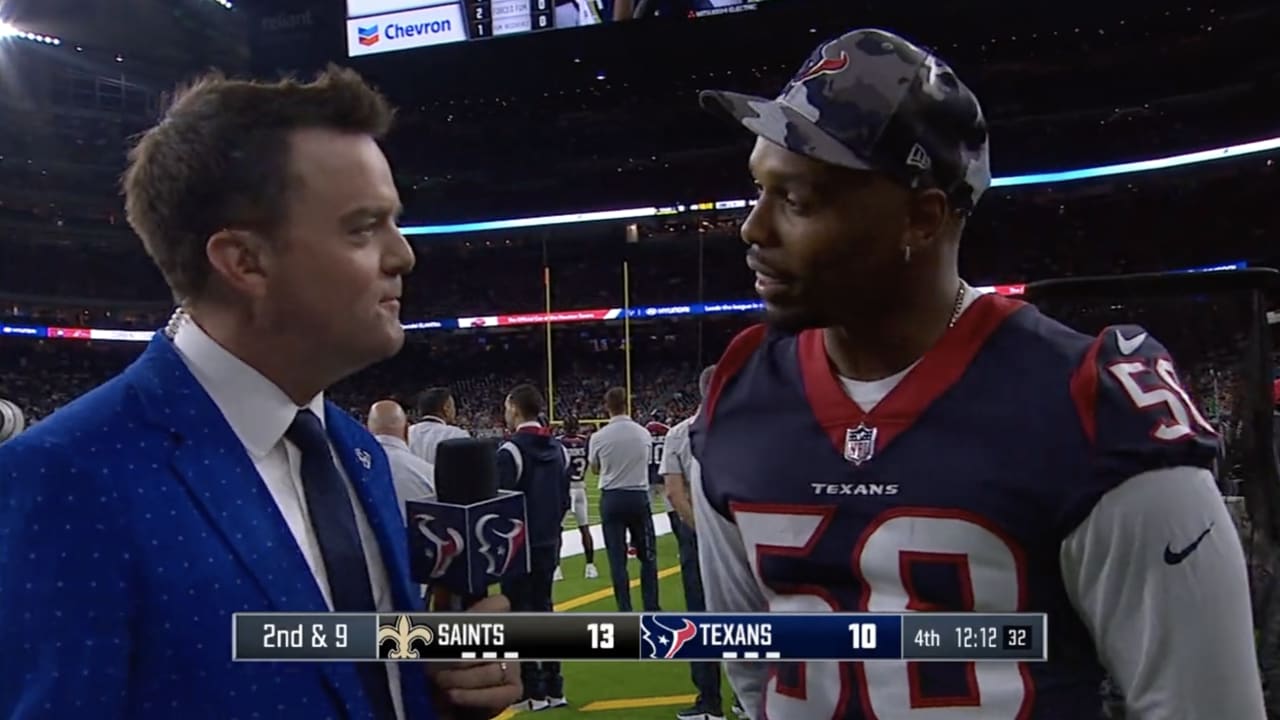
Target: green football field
(617,690)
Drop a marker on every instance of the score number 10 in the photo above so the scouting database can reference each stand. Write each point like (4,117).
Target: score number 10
(863,636)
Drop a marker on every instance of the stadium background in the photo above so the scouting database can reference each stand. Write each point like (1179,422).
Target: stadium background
(604,118)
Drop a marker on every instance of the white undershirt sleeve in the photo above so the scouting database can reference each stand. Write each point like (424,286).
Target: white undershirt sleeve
(1158,575)
(730,587)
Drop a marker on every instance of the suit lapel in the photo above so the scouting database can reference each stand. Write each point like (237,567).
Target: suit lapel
(215,467)
(366,465)
(221,478)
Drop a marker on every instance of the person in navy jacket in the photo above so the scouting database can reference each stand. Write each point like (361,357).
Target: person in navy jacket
(212,476)
(537,464)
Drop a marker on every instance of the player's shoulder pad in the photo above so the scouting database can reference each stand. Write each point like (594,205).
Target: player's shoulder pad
(1135,409)
(735,356)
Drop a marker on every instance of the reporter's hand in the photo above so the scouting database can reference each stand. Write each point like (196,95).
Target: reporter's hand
(476,690)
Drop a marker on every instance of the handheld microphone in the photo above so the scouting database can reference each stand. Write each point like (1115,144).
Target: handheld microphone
(472,534)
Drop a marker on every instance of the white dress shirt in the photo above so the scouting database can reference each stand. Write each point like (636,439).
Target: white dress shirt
(414,478)
(259,413)
(425,436)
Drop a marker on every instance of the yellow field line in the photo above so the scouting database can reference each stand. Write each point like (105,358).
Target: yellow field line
(591,597)
(621,704)
(625,703)
(633,703)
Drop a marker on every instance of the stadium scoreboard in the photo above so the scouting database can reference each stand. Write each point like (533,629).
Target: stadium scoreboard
(381,26)
(957,637)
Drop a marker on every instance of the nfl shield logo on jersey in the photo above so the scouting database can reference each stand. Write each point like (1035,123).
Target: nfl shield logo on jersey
(859,444)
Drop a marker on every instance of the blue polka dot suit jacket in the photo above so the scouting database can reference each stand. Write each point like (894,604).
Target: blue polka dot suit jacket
(132,525)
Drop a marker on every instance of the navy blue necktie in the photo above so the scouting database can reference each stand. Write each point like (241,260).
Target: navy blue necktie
(334,522)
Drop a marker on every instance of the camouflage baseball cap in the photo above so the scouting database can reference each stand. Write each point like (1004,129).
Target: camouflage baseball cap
(870,100)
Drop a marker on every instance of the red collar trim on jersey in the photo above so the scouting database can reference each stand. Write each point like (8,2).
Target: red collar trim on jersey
(535,430)
(937,371)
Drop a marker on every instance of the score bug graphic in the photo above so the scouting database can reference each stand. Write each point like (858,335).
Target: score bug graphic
(662,642)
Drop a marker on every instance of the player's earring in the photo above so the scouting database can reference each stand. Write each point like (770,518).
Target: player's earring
(906,254)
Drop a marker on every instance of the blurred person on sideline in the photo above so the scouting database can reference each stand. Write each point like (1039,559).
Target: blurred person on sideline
(536,464)
(414,477)
(438,413)
(619,454)
(576,445)
(678,467)
(658,429)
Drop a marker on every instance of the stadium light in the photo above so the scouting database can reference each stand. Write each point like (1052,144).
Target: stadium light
(1163,163)
(8,30)
(1171,161)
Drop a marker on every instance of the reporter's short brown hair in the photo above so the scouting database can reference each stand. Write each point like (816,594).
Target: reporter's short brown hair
(219,159)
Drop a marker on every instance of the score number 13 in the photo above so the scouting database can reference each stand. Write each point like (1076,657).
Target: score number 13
(601,635)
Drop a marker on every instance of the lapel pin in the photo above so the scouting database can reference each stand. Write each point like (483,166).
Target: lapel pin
(364,457)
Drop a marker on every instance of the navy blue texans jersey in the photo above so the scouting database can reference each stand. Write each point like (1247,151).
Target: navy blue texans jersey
(576,446)
(954,493)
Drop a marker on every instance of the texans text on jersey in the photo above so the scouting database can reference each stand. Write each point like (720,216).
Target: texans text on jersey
(854,488)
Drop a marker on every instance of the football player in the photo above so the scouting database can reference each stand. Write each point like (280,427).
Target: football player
(576,445)
(891,440)
(658,430)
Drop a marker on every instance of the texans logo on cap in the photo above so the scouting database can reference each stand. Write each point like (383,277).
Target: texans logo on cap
(825,66)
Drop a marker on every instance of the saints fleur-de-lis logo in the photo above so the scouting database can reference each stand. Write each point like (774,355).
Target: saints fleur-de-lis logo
(402,634)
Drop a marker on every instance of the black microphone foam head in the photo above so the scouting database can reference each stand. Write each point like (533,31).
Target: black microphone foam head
(466,471)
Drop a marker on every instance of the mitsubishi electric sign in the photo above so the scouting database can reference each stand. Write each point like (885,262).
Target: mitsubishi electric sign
(375,34)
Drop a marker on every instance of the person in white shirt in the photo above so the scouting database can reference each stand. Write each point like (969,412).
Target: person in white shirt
(678,468)
(414,477)
(212,476)
(439,413)
(619,454)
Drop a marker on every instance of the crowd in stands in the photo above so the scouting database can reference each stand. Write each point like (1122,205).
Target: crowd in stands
(1178,80)
(1168,220)
(1209,336)
(480,367)
(69,259)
